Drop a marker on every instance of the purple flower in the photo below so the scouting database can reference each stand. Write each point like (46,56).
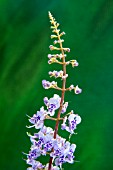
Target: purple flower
(40,147)
(38,143)
(38,119)
(45,100)
(59,161)
(48,146)
(35,165)
(46,84)
(64,107)
(52,104)
(70,157)
(46,133)
(56,74)
(73,120)
(77,90)
(46,140)
(63,151)
(34,153)
(63,125)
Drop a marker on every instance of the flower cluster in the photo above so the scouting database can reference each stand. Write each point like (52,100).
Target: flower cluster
(76,89)
(47,84)
(42,144)
(46,140)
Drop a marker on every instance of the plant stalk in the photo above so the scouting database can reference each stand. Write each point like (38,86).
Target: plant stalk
(62,95)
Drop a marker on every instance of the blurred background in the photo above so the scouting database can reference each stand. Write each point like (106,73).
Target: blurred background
(24,41)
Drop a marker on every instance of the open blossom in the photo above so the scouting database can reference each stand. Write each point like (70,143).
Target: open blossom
(38,119)
(35,165)
(52,104)
(46,133)
(43,142)
(63,152)
(73,121)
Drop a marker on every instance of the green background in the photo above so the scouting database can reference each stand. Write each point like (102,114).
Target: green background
(24,41)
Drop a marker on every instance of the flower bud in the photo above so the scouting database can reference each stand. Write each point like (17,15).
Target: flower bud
(63,33)
(54,36)
(71,87)
(77,90)
(52,60)
(74,63)
(66,49)
(46,84)
(64,77)
(51,47)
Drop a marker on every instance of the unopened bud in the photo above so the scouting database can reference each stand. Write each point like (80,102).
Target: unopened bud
(51,47)
(77,90)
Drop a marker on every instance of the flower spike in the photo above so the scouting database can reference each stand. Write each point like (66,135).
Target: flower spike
(46,140)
